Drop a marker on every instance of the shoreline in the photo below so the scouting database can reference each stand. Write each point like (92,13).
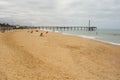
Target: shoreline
(92,38)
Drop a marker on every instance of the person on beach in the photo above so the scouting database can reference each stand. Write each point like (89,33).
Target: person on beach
(41,34)
(36,30)
(96,33)
(31,31)
(46,32)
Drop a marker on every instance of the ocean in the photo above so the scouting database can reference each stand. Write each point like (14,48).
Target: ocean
(111,36)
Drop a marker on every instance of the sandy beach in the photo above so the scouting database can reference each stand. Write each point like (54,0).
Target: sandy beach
(54,56)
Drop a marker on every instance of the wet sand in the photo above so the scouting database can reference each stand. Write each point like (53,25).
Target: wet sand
(27,56)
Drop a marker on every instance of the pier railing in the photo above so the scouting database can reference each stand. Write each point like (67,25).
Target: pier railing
(60,28)
(53,28)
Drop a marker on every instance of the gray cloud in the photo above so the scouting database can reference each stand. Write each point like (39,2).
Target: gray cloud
(103,13)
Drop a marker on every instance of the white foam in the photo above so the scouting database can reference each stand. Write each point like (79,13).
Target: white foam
(57,31)
(90,37)
(94,38)
(108,42)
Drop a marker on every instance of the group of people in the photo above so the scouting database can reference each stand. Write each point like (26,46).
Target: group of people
(41,34)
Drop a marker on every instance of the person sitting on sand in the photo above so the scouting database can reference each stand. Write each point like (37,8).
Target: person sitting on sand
(31,31)
(41,34)
(36,30)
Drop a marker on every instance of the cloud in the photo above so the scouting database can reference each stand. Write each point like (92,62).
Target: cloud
(61,12)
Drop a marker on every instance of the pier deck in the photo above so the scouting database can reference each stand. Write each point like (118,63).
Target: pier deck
(60,28)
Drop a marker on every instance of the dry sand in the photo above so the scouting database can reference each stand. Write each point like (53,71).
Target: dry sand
(27,56)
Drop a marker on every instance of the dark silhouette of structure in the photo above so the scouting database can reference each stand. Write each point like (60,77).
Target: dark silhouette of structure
(6,26)
(65,28)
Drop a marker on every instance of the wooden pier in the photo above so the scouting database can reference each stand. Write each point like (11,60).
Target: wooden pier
(65,28)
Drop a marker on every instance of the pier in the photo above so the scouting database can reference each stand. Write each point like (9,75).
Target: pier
(68,28)
(65,28)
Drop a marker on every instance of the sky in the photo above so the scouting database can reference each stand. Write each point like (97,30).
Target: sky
(102,13)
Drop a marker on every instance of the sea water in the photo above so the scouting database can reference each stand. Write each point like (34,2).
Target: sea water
(106,35)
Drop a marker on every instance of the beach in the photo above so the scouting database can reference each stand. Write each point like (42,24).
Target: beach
(54,56)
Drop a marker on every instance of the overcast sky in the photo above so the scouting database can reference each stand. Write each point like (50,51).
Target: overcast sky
(102,13)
